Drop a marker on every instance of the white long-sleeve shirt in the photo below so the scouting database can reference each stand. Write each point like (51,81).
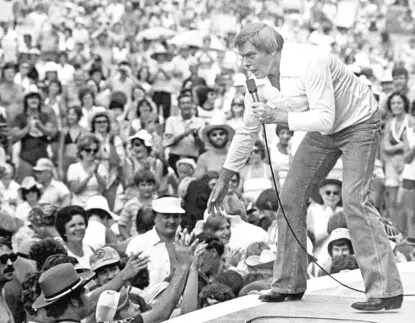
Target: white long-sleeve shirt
(319,93)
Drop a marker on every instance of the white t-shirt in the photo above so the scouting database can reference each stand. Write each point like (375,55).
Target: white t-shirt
(84,260)
(77,173)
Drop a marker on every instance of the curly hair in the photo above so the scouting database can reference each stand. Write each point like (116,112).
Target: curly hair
(142,279)
(57,259)
(30,291)
(65,215)
(232,279)
(41,250)
(84,91)
(217,291)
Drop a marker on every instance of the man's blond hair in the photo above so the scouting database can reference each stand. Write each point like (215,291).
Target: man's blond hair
(264,37)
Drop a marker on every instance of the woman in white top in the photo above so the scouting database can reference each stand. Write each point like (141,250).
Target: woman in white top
(408,180)
(87,99)
(281,153)
(71,222)
(112,154)
(88,177)
(393,147)
(256,175)
(236,112)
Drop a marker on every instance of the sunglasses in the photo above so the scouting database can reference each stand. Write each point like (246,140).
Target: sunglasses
(256,151)
(137,144)
(335,193)
(100,121)
(89,150)
(239,104)
(217,134)
(5,258)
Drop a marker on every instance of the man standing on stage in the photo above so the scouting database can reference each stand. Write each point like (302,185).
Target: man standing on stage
(318,95)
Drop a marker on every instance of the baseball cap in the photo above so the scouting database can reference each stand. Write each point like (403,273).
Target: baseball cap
(103,257)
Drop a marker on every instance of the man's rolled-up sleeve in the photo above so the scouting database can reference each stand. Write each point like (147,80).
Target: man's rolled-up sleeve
(318,85)
(243,140)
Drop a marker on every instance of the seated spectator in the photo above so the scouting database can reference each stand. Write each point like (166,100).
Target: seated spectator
(53,191)
(146,185)
(100,218)
(339,244)
(9,187)
(267,205)
(30,192)
(231,279)
(60,258)
(30,292)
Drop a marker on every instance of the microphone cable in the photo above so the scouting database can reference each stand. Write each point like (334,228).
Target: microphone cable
(313,259)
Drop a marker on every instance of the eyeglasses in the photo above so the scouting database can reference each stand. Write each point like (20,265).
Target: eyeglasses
(335,193)
(217,134)
(89,150)
(101,121)
(5,258)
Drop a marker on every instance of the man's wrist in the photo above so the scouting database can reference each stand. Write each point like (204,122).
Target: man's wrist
(226,175)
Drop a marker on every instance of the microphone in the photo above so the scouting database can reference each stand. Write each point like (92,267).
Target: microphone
(252,89)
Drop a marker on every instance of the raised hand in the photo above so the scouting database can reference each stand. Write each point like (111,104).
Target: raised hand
(135,264)
(215,203)
(197,255)
(184,249)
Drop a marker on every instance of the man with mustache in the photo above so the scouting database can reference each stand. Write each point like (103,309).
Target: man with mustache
(7,258)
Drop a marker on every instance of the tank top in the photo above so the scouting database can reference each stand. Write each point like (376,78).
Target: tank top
(254,186)
(281,163)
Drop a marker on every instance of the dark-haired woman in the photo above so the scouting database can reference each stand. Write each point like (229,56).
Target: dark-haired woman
(393,149)
(69,136)
(71,223)
(33,129)
(112,154)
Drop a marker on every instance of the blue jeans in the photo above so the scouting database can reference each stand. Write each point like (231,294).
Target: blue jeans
(315,157)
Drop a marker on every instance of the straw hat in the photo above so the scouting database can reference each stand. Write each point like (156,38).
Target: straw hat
(58,282)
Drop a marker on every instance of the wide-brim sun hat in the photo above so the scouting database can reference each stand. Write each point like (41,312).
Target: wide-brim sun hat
(161,50)
(99,202)
(58,282)
(29,182)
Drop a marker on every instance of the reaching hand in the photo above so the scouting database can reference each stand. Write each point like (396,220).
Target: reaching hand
(183,249)
(215,203)
(197,255)
(233,257)
(135,264)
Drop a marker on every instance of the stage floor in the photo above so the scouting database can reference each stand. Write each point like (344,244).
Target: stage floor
(325,301)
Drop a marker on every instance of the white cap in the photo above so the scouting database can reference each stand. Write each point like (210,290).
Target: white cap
(167,205)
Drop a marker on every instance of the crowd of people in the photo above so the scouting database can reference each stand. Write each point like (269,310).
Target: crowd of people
(115,121)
